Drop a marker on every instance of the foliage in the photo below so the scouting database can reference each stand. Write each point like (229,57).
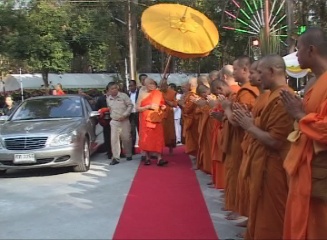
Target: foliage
(69,36)
(268,44)
(39,40)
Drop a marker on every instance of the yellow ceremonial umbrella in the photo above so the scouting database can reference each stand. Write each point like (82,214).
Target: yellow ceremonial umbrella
(179,30)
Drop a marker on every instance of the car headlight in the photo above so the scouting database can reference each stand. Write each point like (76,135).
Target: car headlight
(63,139)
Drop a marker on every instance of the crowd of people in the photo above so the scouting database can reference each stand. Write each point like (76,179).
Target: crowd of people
(264,146)
(124,120)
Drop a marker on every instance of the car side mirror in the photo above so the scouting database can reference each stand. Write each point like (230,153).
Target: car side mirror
(94,114)
(4,118)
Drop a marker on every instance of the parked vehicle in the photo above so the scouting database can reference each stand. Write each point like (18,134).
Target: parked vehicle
(50,131)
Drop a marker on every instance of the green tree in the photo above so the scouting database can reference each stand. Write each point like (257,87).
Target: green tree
(39,39)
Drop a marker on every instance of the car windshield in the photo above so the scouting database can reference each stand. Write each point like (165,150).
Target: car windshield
(47,108)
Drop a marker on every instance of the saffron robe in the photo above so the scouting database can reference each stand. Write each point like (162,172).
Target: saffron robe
(218,170)
(217,164)
(268,182)
(232,139)
(203,160)
(243,188)
(168,122)
(151,133)
(190,124)
(306,217)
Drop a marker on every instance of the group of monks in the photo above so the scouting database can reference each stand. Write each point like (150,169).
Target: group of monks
(263,145)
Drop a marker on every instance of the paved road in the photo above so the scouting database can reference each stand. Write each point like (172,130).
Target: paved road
(58,204)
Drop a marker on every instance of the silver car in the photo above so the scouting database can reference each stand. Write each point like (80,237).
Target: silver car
(50,131)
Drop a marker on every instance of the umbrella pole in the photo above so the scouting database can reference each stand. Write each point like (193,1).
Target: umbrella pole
(167,67)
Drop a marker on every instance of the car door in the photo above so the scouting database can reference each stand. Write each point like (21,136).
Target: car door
(91,124)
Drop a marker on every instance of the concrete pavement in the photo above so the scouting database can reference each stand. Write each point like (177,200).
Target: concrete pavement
(58,204)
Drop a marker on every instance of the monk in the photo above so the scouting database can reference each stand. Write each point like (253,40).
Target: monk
(227,75)
(185,86)
(243,185)
(218,88)
(234,134)
(204,80)
(228,88)
(168,122)
(150,106)
(267,178)
(191,119)
(205,130)
(306,209)
(214,75)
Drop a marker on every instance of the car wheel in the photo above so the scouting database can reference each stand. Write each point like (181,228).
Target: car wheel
(84,164)
(3,172)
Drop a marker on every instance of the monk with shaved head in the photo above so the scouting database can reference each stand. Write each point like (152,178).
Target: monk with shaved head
(226,74)
(214,75)
(204,80)
(233,133)
(306,165)
(218,88)
(267,178)
(185,86)
(243,185)
(168,121)
(190,118)
(203,160)
(151,105)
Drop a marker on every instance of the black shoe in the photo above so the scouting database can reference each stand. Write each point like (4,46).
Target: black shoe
(114,161)
(147,162)
(129,159)
(143,158)
(162,162)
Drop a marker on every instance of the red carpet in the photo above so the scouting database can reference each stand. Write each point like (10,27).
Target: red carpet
(166,203)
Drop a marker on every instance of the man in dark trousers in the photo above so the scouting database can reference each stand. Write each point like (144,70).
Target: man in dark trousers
(133,94)
(105,121)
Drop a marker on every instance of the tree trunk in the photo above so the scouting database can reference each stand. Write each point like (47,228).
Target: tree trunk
(45,77)
(322,13)
(80,64)
(148,56)
(290,23)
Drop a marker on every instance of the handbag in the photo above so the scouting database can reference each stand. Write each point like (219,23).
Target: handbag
(155,116)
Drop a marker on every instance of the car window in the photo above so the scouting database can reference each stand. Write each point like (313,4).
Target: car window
(46,108)
(88,106)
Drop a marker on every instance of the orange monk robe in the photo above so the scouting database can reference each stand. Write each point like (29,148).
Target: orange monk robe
(233,137)
(306,217)
(243,188)
(206,124)
(151,133)
(268,182)
(218,170)
(217,164)
(190,124)
(168,122)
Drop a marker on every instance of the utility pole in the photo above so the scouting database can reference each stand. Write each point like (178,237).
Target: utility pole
(266,16)
(132,38)
(290,25)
